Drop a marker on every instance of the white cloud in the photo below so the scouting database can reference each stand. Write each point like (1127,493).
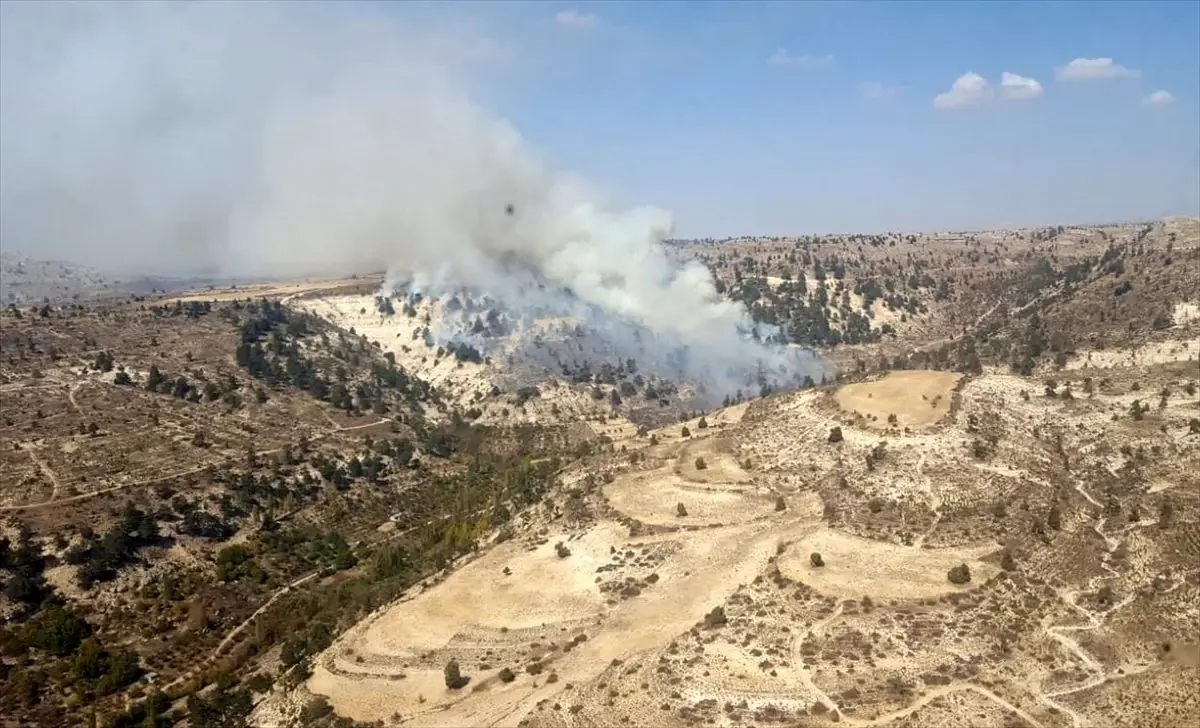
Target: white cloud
(874,91)
(576,19)
(1018,88)
(1094,69)
(969,89)
(782,58)
(1159,98)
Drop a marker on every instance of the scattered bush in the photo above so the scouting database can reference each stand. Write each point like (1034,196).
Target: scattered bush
(700,464)
(203,524)
(780,503)
(960,574)
(1166,514)
(454,677)
(680,510)
(561,549)
(815,559)
(835,434)
(236,562)
(716,617)
(1054,518)
(1138,410)
(507,675)
(259,683)
(57,631)
(314,710)
(119,669)
(1007,562)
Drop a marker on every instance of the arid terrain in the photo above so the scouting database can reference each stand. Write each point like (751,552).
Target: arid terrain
(286,504)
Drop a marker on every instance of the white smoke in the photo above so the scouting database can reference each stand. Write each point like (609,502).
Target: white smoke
(278,140)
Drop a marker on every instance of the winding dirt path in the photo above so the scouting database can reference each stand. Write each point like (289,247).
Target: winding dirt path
(262,609)
(935,502)
(54,500)
(55,485)
(1093,620)
(939,692)
(233,633)
(816,629)
(71,394)
(102,491)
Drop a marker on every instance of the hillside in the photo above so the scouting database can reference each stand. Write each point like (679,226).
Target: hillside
(25,280)
(326,503)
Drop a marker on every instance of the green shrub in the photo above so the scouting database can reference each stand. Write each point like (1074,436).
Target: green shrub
(57,631)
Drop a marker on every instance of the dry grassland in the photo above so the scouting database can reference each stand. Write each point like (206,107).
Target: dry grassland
(614,633)
(916,398)
(282,290)
(991,519)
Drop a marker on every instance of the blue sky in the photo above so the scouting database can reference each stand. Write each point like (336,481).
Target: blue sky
(178,134)
(679,105)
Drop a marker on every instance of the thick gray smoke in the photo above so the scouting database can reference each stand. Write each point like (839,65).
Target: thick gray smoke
(303,139)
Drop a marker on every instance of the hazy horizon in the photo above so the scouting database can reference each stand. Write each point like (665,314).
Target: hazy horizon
(294,138)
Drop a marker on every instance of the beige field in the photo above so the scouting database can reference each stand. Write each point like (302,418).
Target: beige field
(654,499)
(719,464)
(284,291)
(916,398)
(619,604)
(482,616)
(701,573)
(639,601)
(602,603)
(856,567)
(482,597)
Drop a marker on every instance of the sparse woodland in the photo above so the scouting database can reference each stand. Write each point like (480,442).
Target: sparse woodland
(203,495)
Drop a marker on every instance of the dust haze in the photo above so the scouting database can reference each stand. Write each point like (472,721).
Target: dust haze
(280,140)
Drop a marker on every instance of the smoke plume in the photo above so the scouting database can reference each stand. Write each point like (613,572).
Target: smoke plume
(272,139)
